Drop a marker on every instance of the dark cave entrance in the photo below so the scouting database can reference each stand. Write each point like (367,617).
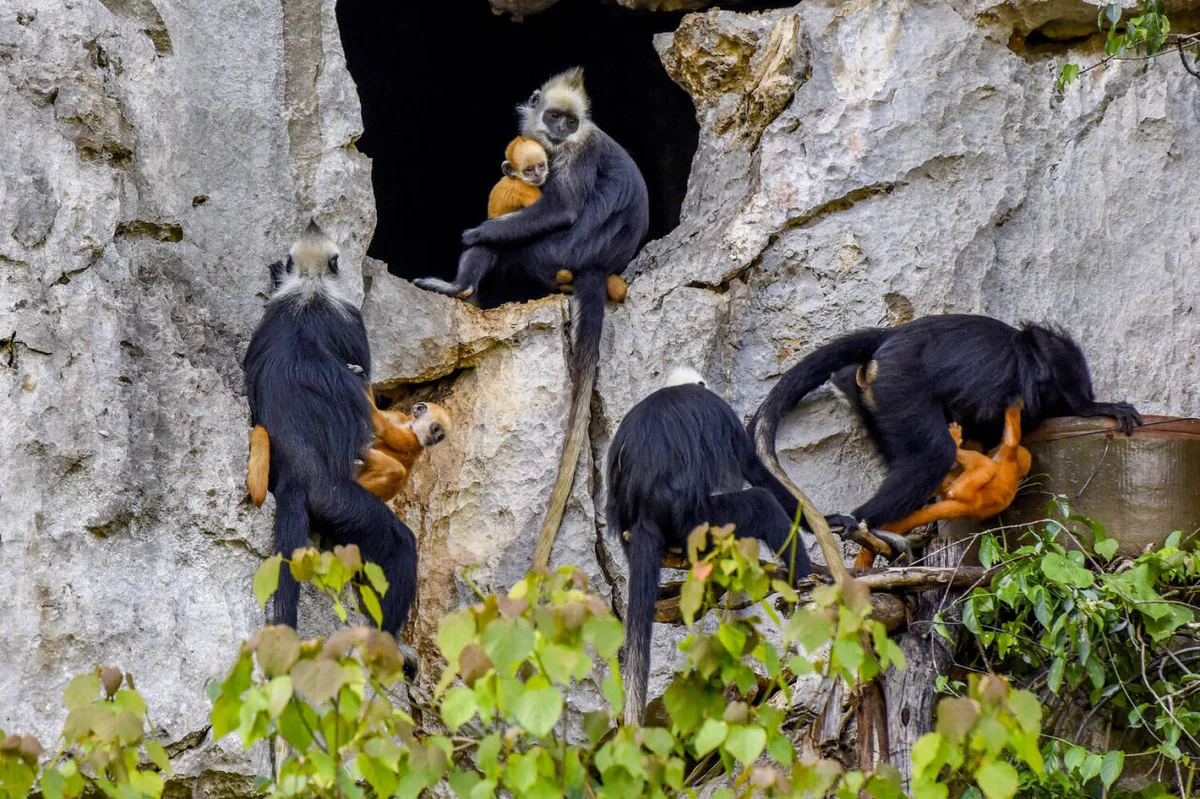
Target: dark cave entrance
(439,82)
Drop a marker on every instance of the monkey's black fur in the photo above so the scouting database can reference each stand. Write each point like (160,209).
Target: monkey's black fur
(591,219)
(679,459)
(932,371)
(316,412)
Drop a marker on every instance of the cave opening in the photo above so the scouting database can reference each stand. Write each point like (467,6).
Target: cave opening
(439,84)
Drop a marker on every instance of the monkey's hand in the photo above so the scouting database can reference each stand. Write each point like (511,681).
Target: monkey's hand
(472,237)
(1126,415)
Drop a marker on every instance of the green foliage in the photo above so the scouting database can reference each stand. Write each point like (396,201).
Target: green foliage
(104,746)
(1114,632)
(1078,618)
(330,572)
(1143,35)
(976,738)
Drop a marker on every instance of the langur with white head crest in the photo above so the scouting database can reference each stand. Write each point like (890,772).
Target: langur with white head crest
(588,225)
(307,371)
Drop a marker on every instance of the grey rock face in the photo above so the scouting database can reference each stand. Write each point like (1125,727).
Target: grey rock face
(858,165)
(151,165)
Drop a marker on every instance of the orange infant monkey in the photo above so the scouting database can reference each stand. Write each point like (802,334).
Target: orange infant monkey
(985,487)
(399,441)
(525,168)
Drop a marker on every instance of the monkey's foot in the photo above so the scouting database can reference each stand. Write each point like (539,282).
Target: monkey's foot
(848,527)
(617,288)
(443,287)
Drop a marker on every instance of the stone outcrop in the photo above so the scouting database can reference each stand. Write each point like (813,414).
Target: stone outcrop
(859,164)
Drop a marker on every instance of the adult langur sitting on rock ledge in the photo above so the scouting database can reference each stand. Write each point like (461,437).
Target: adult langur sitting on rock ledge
(589,223)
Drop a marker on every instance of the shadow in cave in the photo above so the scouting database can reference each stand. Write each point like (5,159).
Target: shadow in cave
(439,84)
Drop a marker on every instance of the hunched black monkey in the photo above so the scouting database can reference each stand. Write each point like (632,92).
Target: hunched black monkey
(316,410)
(680,458)
(908,382)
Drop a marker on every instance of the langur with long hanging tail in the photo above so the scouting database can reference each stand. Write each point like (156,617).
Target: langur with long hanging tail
(681,458)
(316,412)
(588,225)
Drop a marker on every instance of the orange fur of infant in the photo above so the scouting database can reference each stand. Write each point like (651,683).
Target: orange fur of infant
(512,193)
(986,485)
(390,459)
(386,465)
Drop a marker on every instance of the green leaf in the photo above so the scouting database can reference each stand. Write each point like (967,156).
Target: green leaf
(82,690)
(376,578)
(997,780)
(1055,676)
(1106,548)
(711,735)
(371,602)
(158,756)
(279,693)
(732,637)
(508,642)
(746,743)
(54,784)
(455,631)
(606,635)
(318,680)
(462,782)
(1062,570)
(1069,74)
(1112,12)
(131,701)
(266,579)
(690,598)
(1111,767)
(613,688)
(458,707)
(539,708)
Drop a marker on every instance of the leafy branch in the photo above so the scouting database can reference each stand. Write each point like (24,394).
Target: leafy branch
(1148,35)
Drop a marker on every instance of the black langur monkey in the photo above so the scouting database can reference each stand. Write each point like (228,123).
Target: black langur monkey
(590,221)
(316,410)
(908,382)
(681,458)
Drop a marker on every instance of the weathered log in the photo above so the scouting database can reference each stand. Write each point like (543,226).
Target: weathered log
(909,695)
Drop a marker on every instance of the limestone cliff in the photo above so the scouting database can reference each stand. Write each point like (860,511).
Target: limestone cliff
(860,163)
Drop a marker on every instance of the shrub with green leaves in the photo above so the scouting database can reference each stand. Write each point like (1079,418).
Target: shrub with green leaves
(1118,633)
(104,746)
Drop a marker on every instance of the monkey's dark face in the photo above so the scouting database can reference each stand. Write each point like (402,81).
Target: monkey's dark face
(557,115)
(531,171)
(560,124)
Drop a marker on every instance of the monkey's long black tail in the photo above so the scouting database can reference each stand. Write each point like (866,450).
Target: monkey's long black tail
(800,380)
(644,552)
(590,293)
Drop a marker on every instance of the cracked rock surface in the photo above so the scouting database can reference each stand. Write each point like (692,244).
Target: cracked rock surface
(859,164)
